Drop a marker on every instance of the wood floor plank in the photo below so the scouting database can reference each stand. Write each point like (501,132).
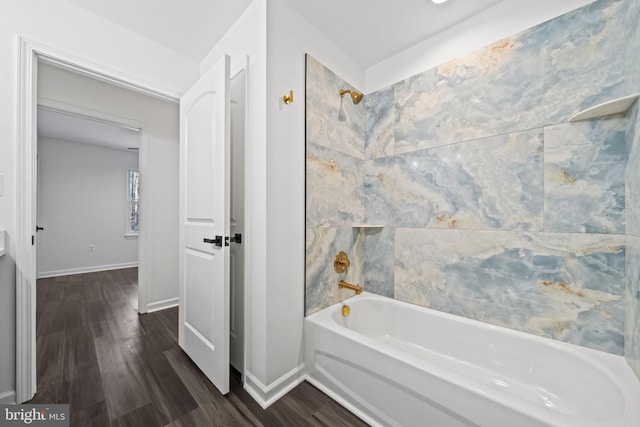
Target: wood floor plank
(94,415)
(79,354)
(221,410)
(147,416)
(51,318)
(50,356)
(86,389)
(117,368)
(197,417)
(124,391)
(167,389)
(334,415)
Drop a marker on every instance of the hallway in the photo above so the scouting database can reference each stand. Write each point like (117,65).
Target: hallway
(117,368)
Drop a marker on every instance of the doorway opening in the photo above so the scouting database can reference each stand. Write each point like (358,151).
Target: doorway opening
(33,58)
(87,196)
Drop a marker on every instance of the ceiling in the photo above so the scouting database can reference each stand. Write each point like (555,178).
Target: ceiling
(373,30)
(368,30)
(73,128)
(189,27)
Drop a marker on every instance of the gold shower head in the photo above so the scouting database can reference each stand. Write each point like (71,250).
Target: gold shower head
(356,96)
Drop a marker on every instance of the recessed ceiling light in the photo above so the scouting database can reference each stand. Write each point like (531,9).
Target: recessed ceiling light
(438,1)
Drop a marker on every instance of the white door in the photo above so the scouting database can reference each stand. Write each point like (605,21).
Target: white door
(204,222)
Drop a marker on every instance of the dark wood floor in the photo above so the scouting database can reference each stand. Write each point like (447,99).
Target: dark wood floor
(117,368)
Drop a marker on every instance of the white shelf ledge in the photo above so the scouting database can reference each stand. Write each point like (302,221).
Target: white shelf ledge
(367,226)
(614,106)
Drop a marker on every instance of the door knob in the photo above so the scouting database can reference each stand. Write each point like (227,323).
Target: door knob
(217,241)
(38,228)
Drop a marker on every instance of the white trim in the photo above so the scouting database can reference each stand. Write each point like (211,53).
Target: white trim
(91,114)
(162,305)
(82,270)
(29,52)
(267,395)
(8,397)
(144,238)
(61,59)
(247,256)
(25,222)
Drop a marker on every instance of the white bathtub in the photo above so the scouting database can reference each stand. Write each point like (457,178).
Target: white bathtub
(396,364)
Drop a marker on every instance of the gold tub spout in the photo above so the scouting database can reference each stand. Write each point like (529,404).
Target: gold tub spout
(342,284)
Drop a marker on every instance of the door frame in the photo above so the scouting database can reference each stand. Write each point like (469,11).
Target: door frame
(29,54)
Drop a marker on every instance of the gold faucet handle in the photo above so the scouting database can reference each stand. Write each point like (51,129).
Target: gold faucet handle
(341,262)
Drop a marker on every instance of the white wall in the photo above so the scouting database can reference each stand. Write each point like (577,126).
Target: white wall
(290,36)
(67,27)
(82,201)
(502,20)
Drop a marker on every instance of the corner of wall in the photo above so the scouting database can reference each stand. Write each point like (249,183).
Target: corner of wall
(267,395)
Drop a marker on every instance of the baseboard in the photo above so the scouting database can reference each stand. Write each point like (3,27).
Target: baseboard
(8,397)
(162,305)
(267,395)
(93,269)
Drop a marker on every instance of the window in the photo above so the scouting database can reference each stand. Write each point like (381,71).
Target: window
(133,194)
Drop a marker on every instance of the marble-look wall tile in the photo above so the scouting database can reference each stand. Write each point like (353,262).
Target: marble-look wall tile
(380,123)
(491,91)
(379,262)
(632,74)
(632,304)
(323,105)
(584,55)
(562,286)
(454,155)
(322,245)
(632,57)
(494,183)
(334,188)
(584,183)
(535,78)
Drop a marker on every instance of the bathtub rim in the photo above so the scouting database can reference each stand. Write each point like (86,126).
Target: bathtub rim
(614,367)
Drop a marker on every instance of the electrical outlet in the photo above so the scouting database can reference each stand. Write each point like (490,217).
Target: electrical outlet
(92,248)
